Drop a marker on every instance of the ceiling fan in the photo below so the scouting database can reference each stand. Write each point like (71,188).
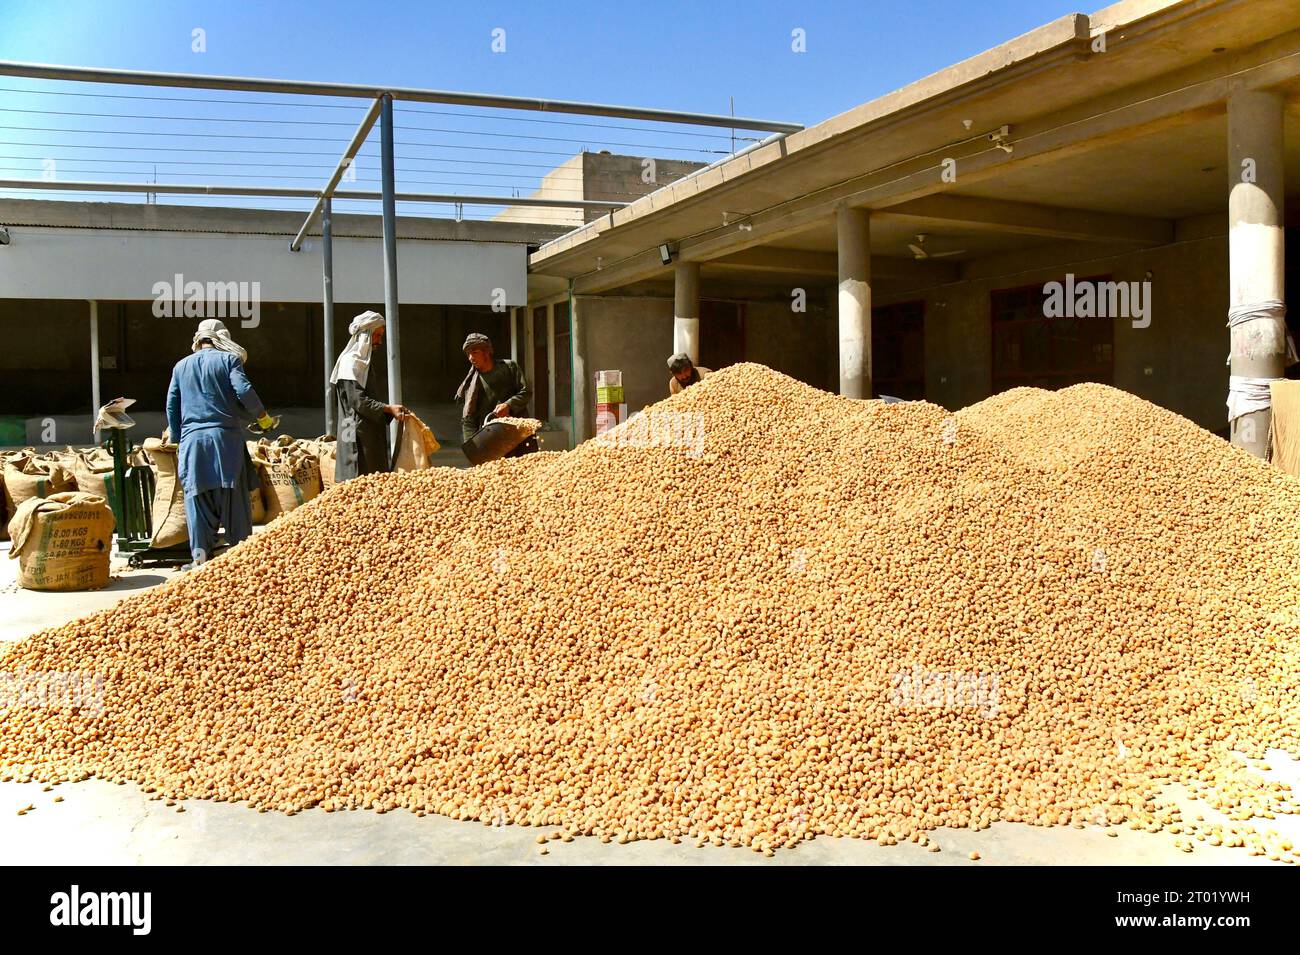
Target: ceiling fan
(919,251)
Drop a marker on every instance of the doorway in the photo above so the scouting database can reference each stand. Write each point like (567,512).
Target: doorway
(898,350)
(722,334)
(541,383)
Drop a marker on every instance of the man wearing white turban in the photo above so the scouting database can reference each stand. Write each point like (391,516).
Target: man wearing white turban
(208,401)
(363,419)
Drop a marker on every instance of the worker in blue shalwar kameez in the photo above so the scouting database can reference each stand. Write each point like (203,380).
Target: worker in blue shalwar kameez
(209,401)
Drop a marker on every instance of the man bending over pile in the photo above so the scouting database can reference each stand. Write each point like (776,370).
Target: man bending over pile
(685,372)
(494,386)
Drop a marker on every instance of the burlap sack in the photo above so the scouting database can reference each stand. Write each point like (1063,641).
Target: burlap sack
(169,526)
(36,478)
(62,542)
(92,469)
(256,503)
(19,460)
(1284,440)
(415,445)
(67,457)
(18,457)
(256,497)
(326,452)
(289,475)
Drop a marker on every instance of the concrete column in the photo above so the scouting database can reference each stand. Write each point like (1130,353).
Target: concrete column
(854,232)
(514,334)
(1256,247)
(686,309)
(549,384)
(528,345)
(583,375)
(95,401)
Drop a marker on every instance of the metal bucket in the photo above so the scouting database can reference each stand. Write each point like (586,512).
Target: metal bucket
(494,440)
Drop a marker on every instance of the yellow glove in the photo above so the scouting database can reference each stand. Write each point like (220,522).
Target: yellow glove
(266,422)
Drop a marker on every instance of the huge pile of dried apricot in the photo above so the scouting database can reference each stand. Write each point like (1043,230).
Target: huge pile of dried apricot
(755,613)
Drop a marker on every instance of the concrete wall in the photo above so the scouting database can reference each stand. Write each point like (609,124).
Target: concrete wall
(596,176)
(48,374)
(635,335)
(49,263)
(802,345)
(1176,362)
(562,182)
(624,178)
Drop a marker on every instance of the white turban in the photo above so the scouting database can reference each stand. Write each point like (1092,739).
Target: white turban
(214,331)
(354,363)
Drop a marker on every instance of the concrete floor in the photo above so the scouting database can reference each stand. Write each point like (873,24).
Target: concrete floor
(98,823)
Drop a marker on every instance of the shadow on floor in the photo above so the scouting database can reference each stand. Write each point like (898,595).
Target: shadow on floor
(135,581)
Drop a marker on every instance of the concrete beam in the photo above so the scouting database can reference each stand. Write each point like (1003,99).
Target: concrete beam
(773,260)
(769,260)
(977,214)
(138,216)
(1057,41)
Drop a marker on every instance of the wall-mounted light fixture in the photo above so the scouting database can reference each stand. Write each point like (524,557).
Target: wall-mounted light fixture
(1000,138)
(666,253)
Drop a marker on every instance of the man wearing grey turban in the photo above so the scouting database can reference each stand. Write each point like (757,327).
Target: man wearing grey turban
(493,386)
(363,419)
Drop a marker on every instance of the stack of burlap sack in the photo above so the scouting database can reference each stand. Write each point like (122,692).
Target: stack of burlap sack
(57,513)
(28,473)
(290,472)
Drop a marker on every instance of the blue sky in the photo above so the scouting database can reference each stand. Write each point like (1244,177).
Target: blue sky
(685,56)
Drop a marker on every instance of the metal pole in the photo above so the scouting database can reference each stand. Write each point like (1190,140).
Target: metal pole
(49,71)
(354,147)
(95,402)
(393,333)
(327,308)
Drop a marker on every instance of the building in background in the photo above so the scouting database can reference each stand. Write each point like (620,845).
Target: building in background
(454,277)
(903,247)
(598,176)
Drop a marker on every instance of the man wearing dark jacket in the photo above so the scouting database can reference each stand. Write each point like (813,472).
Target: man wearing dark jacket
(494,386)
(363,419)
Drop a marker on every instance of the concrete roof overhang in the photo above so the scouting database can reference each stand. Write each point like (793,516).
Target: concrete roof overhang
(1108,146)
(153,217)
